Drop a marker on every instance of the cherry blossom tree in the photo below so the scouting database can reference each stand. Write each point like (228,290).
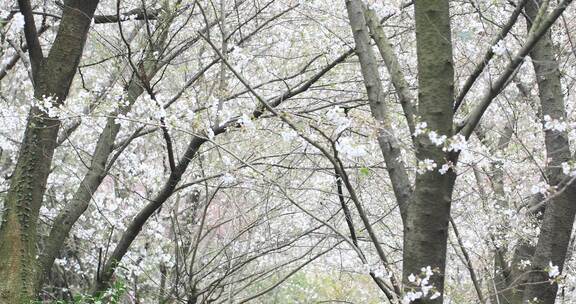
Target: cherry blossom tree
(212,151)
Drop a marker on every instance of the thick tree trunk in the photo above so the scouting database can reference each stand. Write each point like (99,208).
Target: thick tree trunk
(18,230)
(52,78)
(558,219)
(428,212)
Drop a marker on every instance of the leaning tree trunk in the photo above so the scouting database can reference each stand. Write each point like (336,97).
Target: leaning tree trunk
(428,212)
(558,219)
(52,78)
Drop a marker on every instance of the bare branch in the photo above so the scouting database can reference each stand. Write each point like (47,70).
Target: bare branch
(488,55)
(502,81)
(34,47)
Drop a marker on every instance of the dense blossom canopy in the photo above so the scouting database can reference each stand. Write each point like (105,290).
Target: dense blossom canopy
(241,136)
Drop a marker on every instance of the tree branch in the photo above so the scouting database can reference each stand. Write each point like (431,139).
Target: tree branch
(389,143)
(394,69)
(34,47)
(488,55)
(502,81)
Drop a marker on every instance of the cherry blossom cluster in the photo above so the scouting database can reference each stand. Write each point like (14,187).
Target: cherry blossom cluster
(422,285)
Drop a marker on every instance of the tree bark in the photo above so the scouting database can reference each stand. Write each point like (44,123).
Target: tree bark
(389,144)
(428,212)
(558,219)
(52,78)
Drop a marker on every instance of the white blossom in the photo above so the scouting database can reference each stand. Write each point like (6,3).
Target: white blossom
(568,169)
(18,21)
(337,116)
(541,187)
(246,121)
(227,179)
(444,169)
(288,135)
(425,165)
(457,143)
(348,147)
(553,270)
(554,124)
(411,296)
(420,128)
(436,139)
(499,48)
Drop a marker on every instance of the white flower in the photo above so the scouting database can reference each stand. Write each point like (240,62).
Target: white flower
(380,272)
(420,128)
(210,133)
(348,147)
(425,165)
(411,296)
(227,179)
(337,116)
(554,124)
(4,14)
(289,135)
(457,143)
(227,161)
(411,278)
(424,284)
(61,262)
(568,169)
(435,295)
(46,104)
(553,270)
(159,114)
(190,115)
(444,169)
(499,48)
(246,121)
(366,268)
(19,21)
(524,264)
(426,289)
(436,139)
(541,187)
(428,271)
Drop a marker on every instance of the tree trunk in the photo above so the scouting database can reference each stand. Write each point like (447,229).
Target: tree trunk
(52,78)
(18,230)
(428,212)
(558,219)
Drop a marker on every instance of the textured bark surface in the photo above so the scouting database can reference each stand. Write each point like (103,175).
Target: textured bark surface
(52,78)
(394,68)
(558,219)
(22,205)
(389,144)
(428,212)
(425,210)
